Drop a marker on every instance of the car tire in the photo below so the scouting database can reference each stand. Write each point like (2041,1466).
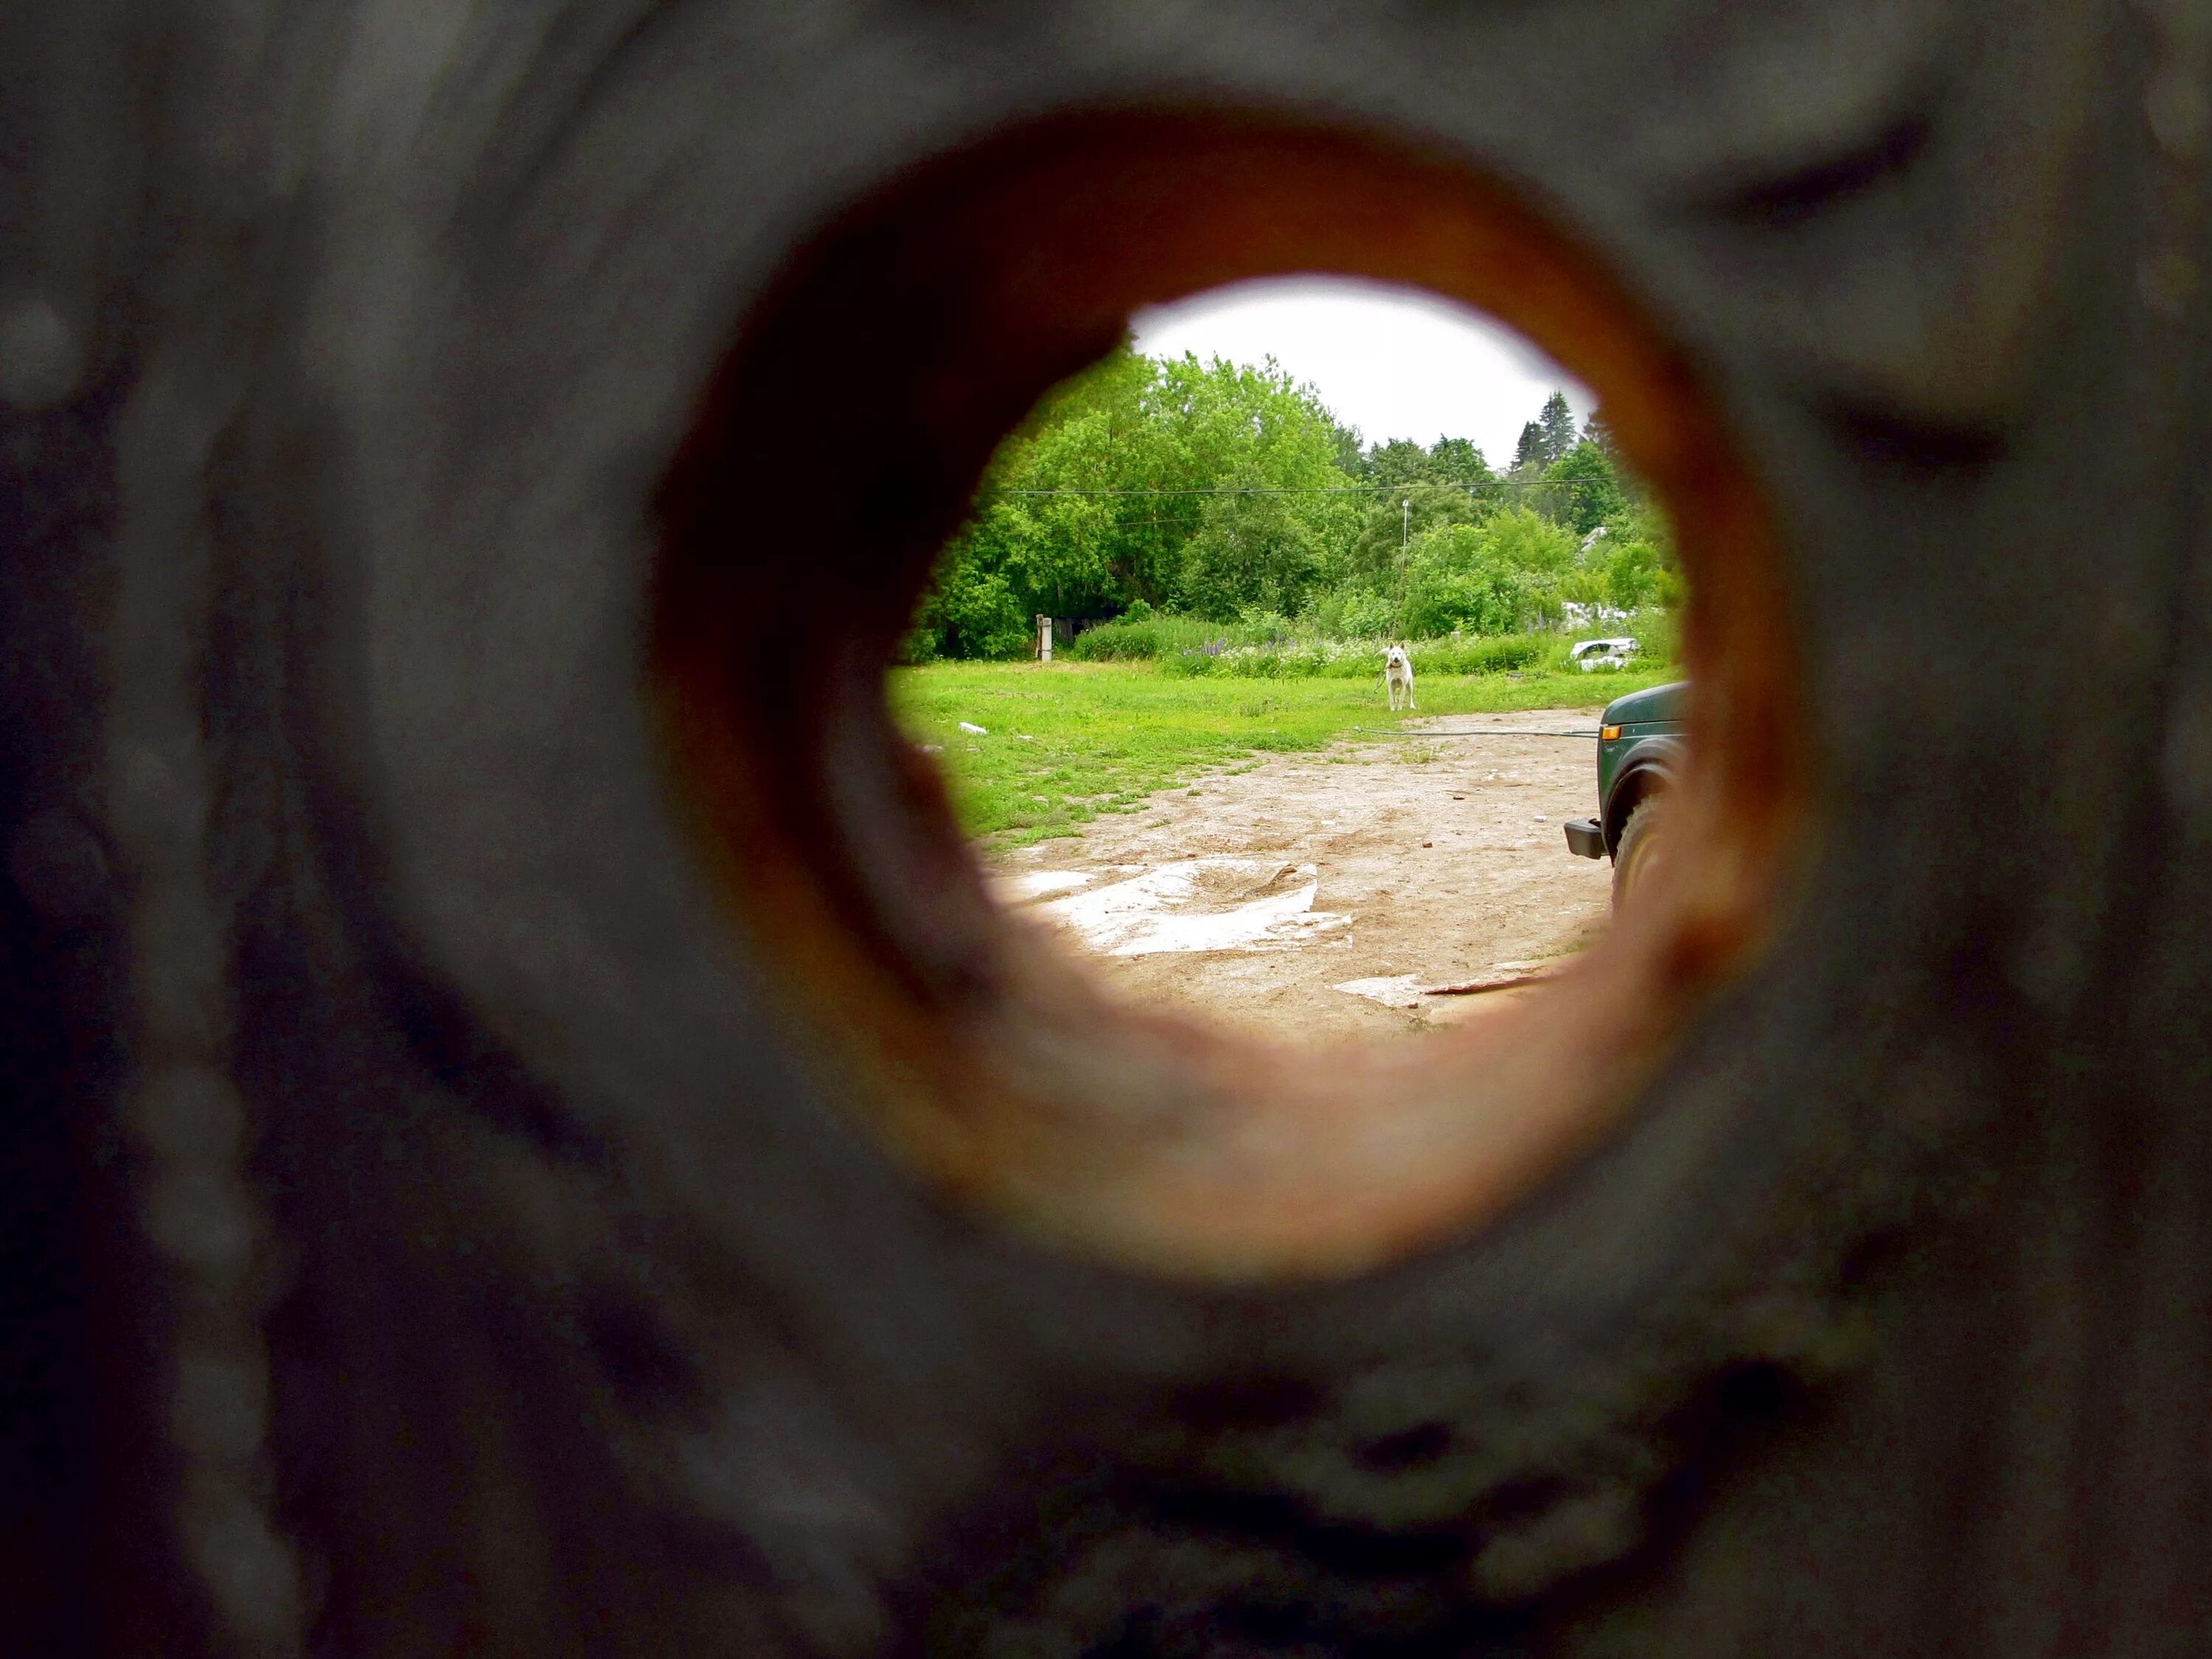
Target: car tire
(1641,848)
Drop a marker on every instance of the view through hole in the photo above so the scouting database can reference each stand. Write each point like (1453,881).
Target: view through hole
(984,1054)
(1154,664)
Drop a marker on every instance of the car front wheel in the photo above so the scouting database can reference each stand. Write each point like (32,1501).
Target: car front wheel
(1641,848)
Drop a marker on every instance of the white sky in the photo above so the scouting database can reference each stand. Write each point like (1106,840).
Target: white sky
(1395,362)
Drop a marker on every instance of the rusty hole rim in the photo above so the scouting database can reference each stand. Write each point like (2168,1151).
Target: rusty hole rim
(981,1059)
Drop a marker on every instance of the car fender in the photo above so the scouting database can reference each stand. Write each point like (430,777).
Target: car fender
(1656,763)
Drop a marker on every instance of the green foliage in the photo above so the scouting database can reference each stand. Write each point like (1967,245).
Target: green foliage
(1585,488)
(1558,427)
(1354,613)
(1498,577)
(1264,551)
(1142,638)
(1475,596)
(1398,463)
(1350,456)
(1146,430)
(1505,654)
(1265,647)
(1528,542)
(1196,501)
(1457,460)
(1372,558)
(1629,566)
(971,610)
(1658,635)
(1546,439)
(1632,575)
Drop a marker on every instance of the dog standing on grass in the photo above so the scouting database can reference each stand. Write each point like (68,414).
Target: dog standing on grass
(1397,673)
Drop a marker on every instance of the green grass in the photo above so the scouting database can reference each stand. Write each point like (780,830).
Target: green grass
(1071,740)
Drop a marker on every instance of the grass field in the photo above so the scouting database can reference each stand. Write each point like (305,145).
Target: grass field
(1068,741)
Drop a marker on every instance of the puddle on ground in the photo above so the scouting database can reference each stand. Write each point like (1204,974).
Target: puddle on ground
(1392,991)
(1193,904)
(1411,991)
(1030,885)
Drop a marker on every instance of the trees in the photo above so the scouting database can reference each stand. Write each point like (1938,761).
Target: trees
(1351,452)
(1447,461)
(1583,490)
(1548,438)
(1398,463)
(1457,460)
(1596,430)
(1227,427)
(971,610)
(1253,553)
(1386,522)
(1448,484)
(1107,495)
(1498,576)
(1559,421)
(1632,565)
(1226,490)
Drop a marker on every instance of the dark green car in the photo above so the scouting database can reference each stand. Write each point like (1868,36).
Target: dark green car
(1639,758)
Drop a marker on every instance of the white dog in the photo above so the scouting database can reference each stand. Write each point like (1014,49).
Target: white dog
(1398,671)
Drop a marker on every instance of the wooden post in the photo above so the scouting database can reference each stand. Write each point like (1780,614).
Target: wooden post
(1044,638)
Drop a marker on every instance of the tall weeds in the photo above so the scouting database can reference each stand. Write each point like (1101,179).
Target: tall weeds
(1267,648)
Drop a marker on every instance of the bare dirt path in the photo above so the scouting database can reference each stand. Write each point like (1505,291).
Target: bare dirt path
(1388,866)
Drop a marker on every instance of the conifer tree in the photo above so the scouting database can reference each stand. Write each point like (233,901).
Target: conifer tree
(1559,422)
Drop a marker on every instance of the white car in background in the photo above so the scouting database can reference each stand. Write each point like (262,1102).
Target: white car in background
(1590,654)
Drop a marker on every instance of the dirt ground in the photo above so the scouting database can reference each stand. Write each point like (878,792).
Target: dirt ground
(1321,897)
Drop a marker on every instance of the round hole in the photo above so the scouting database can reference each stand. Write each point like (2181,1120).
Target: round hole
(837,453)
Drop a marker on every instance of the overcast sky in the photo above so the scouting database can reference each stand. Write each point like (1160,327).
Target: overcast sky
(1395,362)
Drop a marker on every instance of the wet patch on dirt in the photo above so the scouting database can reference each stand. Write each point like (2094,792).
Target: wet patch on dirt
(1324,896)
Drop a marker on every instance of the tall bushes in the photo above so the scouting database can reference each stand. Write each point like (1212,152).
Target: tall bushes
(1204,487)
(1498,577)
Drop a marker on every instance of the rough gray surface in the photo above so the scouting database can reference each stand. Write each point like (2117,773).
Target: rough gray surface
(480,1267)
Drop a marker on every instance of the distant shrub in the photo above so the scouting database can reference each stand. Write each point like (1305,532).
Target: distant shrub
(1482,598)
(1352,613)
(1325,658)
(1123,640)
(1146,638)
(919,646)
(1494,654)
(1498,577)
(1531,543)
(1657,634)
(1265,645)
